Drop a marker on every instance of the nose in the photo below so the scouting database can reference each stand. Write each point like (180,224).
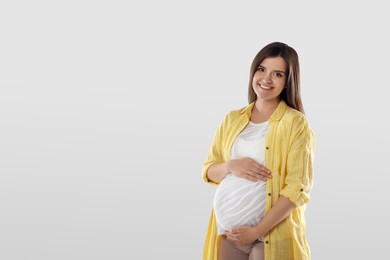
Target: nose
(267,78)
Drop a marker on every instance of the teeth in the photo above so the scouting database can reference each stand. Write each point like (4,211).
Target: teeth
(264,87)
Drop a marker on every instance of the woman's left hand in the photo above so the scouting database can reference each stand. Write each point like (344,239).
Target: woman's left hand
(244,235)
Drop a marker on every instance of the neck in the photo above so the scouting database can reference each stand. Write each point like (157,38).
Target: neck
(266,107)
(263,110)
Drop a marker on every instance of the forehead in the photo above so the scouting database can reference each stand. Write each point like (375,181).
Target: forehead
(274,63)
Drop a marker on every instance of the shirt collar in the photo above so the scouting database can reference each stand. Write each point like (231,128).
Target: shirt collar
(277,115)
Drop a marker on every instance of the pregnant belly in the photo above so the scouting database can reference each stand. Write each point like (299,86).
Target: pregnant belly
(238,202)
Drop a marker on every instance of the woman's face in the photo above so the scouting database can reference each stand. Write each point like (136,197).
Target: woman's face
(270,79)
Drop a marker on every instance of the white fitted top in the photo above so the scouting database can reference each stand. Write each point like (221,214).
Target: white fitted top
(238,201)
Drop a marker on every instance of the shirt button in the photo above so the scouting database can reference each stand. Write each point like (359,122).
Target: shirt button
(301,189)
(267,148)
(269,194)
(266,242)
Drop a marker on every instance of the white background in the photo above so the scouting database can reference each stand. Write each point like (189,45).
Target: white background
(108,109)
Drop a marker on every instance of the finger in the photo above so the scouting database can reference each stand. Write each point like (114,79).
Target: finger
(265,172)
(235,230)
(252,172)
(233,235)
(250,177)
(237,241)
(256,174)
(262,177)
(260,174)
(262,168)
(230,237)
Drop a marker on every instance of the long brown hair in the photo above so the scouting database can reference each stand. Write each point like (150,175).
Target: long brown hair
(292,93)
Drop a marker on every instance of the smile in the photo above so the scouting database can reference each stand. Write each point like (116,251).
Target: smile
(264,87)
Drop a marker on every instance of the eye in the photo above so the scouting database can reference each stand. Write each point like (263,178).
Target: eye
(277,74)
(261,69)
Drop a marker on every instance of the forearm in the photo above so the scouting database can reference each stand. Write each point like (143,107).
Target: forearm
(281,210)
(217,172)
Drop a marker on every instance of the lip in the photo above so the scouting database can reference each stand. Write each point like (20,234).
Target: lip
(264,87)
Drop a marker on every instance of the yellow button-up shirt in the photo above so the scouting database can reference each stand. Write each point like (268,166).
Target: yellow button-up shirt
(289,153)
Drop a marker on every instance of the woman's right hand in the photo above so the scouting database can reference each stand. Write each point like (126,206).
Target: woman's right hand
(249,169)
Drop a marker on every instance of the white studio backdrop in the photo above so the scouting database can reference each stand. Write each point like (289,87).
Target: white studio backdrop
(108,109)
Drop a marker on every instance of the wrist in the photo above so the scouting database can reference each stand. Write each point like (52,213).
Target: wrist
(259,231)
(228,166)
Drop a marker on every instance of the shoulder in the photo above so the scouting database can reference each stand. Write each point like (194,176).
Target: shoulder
(296,121)
(297,125)
(236,114)
(293,115)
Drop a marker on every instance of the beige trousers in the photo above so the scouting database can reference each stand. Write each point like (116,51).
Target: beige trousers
(227,250)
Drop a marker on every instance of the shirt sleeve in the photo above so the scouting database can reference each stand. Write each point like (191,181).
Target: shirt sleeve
(299,178)
(215,152)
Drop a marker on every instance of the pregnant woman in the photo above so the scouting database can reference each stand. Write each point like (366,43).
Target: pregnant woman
(261,159)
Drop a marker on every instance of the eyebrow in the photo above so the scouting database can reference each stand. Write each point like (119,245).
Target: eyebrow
(280,71)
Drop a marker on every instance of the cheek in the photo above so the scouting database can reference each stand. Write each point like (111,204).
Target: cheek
(256,77)
(254,81)
(281,83)
(254,84)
